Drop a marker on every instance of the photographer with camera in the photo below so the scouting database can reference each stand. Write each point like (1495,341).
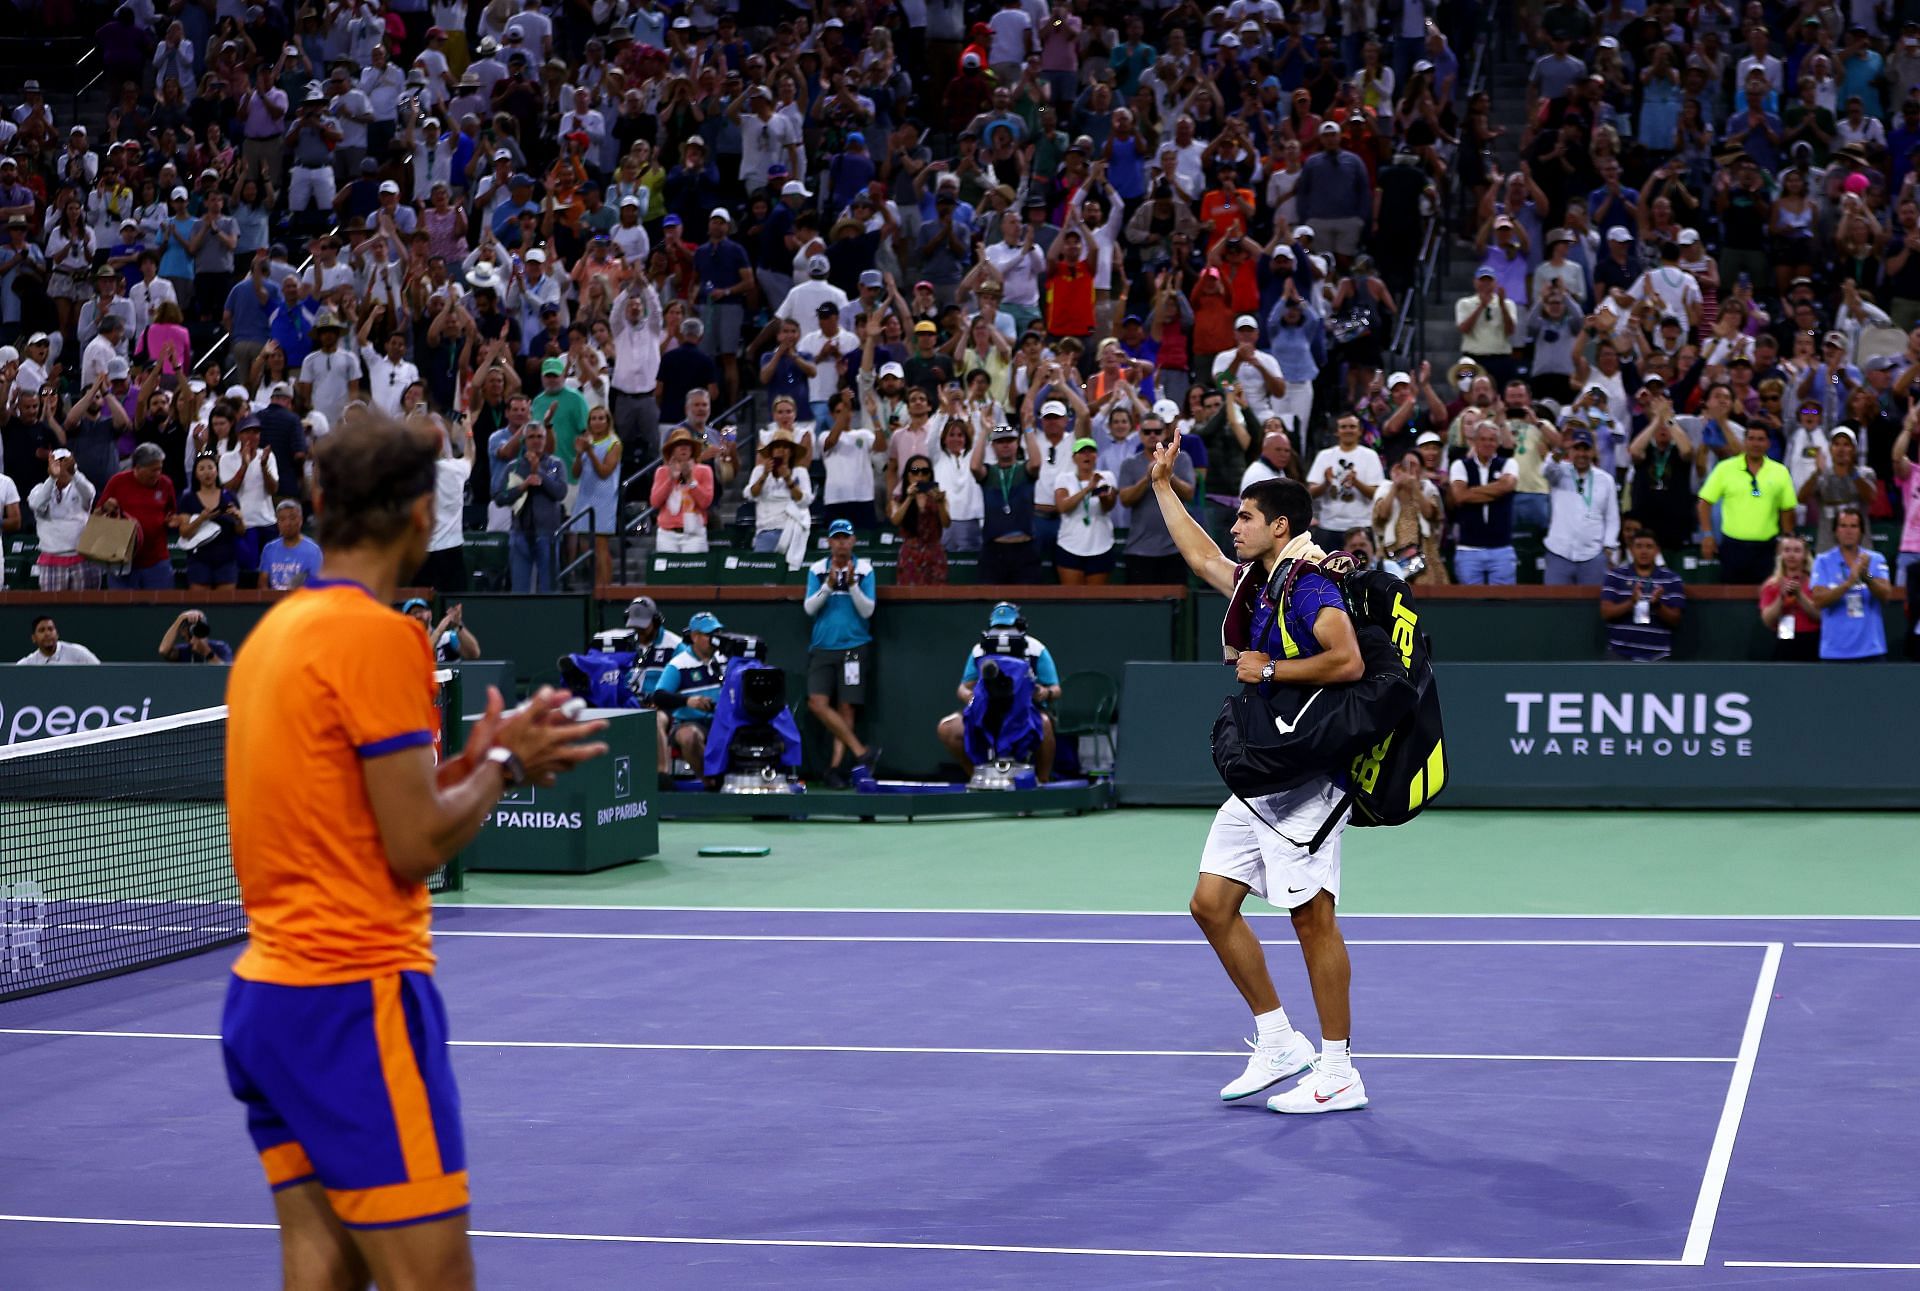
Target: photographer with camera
(1342,480)
(689,689)
(919,512)
(1006,628)
(840,600)
(190,639)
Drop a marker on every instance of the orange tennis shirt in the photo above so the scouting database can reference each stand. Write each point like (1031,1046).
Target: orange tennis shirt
(327,680)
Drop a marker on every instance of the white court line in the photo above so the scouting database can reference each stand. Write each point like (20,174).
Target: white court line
(506,934)
(664,1047)
(1812,1264)
(965,1247)
(1707,1207)
(1859,945)
(1162,914)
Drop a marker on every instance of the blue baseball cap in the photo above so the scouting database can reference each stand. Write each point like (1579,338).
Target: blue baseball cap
(704,622)
(413,603)
(671,222)
(855,137)
(840,527)
(1005,615)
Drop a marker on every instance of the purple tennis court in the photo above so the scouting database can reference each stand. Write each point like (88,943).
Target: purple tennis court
(703,1098)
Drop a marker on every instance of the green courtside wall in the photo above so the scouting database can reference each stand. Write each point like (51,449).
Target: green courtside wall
(1591,735)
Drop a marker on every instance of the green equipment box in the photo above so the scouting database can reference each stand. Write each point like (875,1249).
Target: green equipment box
(599,815)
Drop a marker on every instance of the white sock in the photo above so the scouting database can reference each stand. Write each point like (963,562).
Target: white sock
(1336,1057)
(1274,1027)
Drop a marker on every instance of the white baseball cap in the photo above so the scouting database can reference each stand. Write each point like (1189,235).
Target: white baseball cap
(630,200)
(794,188)
(388,186)
(1399,379)
(721,213)
(536,256)
(1166,409)
(893,370)
(1246,320)
(1053,408)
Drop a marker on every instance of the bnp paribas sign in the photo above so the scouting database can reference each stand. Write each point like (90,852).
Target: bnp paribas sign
(1630,721)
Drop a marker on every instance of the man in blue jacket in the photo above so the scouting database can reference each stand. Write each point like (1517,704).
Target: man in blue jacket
(840,600)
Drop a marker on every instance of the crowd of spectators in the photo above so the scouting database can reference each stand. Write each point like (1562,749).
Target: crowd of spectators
(967,261)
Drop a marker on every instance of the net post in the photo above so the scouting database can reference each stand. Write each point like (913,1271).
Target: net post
(453,738)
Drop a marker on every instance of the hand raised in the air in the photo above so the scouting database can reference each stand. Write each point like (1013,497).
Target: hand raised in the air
(1164,457)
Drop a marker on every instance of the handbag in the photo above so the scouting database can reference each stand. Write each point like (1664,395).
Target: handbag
(111,540)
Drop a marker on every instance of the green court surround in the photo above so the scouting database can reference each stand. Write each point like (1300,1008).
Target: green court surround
(1447,862)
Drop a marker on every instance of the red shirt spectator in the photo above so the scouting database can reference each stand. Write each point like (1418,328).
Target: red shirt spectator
(1070,295)
(144,495)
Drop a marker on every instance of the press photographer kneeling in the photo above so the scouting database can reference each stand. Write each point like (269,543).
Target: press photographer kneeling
(1009,722)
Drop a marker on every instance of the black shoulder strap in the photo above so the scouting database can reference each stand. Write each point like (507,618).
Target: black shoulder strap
(1339,811)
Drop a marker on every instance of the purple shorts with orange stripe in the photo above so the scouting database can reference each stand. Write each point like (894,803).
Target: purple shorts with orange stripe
(350,1086)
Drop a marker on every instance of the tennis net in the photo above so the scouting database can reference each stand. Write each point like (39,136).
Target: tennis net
(114,854)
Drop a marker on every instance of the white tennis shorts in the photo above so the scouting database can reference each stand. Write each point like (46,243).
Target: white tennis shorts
(1269,853)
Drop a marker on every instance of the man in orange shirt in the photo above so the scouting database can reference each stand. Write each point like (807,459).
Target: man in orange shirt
(333,1034)
(1228,209)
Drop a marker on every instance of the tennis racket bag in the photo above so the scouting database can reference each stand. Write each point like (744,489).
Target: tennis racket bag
(1404,768)
(1266,744)
(1384,728)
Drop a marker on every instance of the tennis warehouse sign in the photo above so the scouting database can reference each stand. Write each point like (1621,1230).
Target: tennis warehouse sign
(1626,724)
(1713,735)
(1677,734)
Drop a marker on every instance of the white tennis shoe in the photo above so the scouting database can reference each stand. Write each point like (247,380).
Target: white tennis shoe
(1320,1092)
(1270,1065)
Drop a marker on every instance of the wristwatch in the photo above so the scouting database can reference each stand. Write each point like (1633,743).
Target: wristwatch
(510,766)
(1266,671)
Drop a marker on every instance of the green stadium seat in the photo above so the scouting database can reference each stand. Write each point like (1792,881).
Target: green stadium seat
(1086,707)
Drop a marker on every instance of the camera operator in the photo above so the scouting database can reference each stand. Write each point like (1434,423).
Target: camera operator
(689,690)
(190,639)
(1046,690)
(840,599)
(654,646)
